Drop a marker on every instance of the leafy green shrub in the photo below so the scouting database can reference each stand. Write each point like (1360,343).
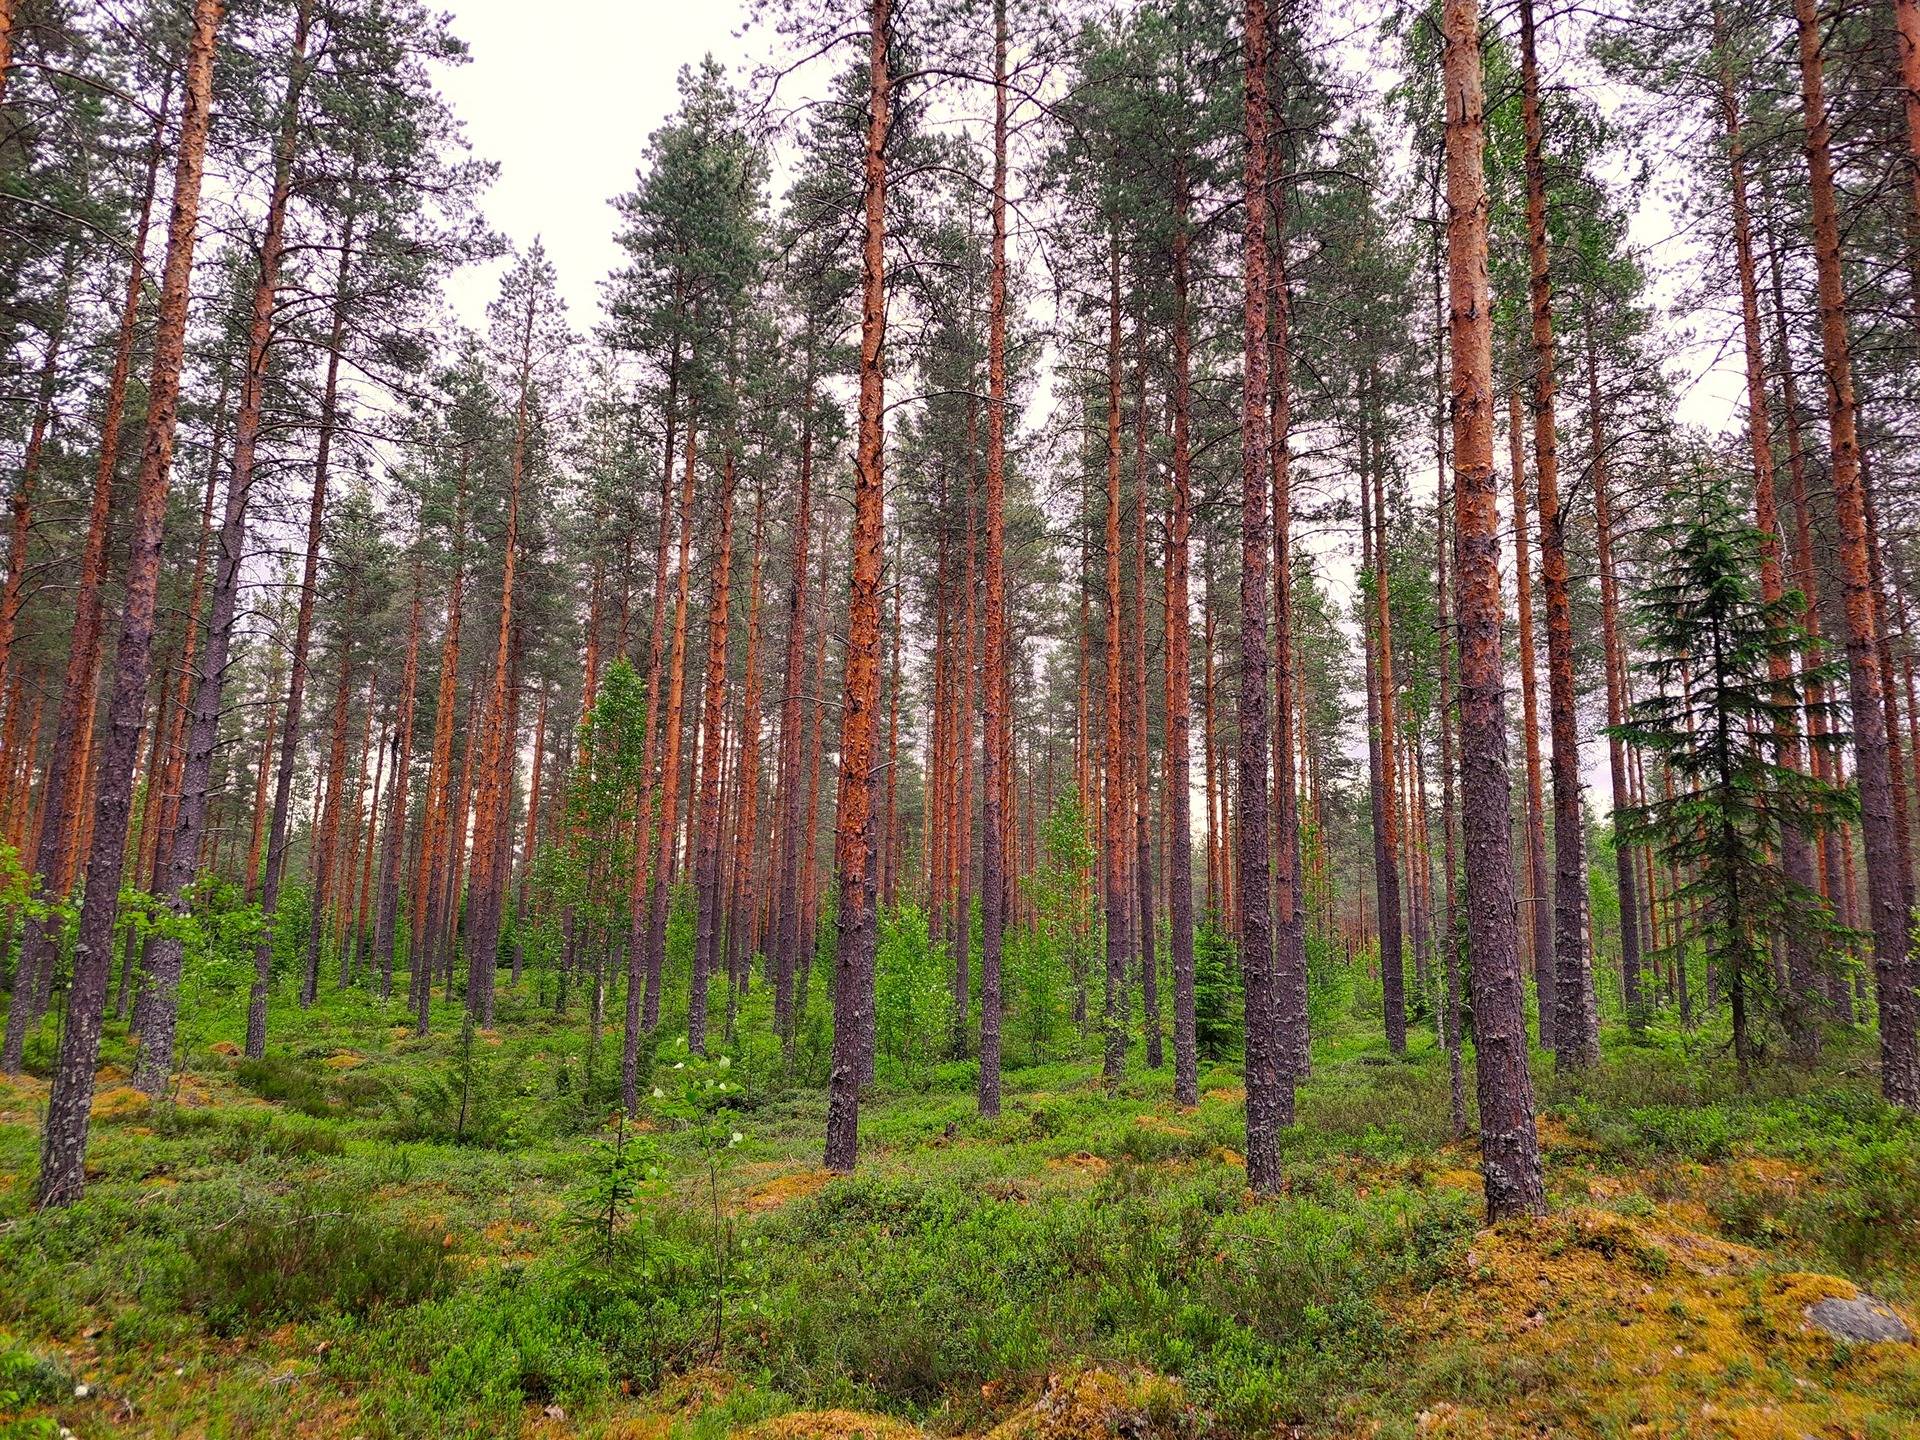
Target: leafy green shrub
(30,1378)
(913,1004)
(242,1137)
(287,1081)
(312,1258)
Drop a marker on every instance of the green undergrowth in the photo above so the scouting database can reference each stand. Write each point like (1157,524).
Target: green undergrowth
(376,1234)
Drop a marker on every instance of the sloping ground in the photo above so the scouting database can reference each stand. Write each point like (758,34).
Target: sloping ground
(1604,1324)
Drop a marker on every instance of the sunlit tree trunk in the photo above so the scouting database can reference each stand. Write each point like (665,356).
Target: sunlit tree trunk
(1269,1081)
(706,868)
(1539,913)
(1186,1085)
(853,997)
(993,857)
(64,1136)
(1576,1021)
(57,827)
(1509,1147)
(1891,919)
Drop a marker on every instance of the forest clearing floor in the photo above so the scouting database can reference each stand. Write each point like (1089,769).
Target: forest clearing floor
(369,1234)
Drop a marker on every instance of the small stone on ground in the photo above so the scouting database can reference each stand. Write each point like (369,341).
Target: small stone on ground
(1862,1319)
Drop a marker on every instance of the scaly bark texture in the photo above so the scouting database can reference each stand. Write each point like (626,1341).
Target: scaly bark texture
(706,867)
(787,958)
(1890,918)
(1113,789)
(1289,926)
(69,1101)
(1186,1084)
(387,908)
(1539,913)
(994,861)
(1796,851)
(1269,1081)
(1576,1020)
(853,993)
(61,785)
(1383,734)
(158,1016)
(1509,1146)
(1615,660)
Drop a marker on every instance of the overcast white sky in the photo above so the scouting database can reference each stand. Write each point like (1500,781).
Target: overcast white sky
(563,94)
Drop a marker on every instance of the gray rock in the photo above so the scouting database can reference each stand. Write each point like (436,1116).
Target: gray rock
(1864,1319)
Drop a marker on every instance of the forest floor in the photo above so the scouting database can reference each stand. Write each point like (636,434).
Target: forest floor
(369,1234)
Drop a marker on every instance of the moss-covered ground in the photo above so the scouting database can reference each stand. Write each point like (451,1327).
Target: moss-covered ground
(369,1234)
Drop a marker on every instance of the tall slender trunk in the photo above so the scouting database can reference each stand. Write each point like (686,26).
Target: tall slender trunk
(387,910)
(853,982)
(1269,1077)
(1509,1146)
(740,910)
(326,837)
(787,947)
(645,872)
(292,719)
(963,859)
(1891,919)
(1113,787)
(61,785)
(530,839)
(1381,721)
(1796,852)
(1290,934)
(1178,803)
(706,870)
(1576,1020)
(429,907)
(497,735)
(1450,1016)
(661,881)
(1615,661)
(1539,913)
(64,1137)
(993,862)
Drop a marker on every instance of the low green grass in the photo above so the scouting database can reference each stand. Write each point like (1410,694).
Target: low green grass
(376,1235)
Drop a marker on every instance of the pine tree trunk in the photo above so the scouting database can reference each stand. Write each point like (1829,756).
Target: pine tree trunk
(963,860)
(993,860)
(1795,850)
(326,839)
(292,720)
(1113,787)
(853,990)
(64,1137)
(1186,1084)
(1576,1019)
(645,1011)
(1615,661)
(61,785)
(1380,721)
(740,910)
(429,907)
(1140,766)
(1891,919)
(387,910)
(1269,1081)
(706,875)
(1539,914)
(787,825)
(1509,1147)
(1290,931)
(491,827)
